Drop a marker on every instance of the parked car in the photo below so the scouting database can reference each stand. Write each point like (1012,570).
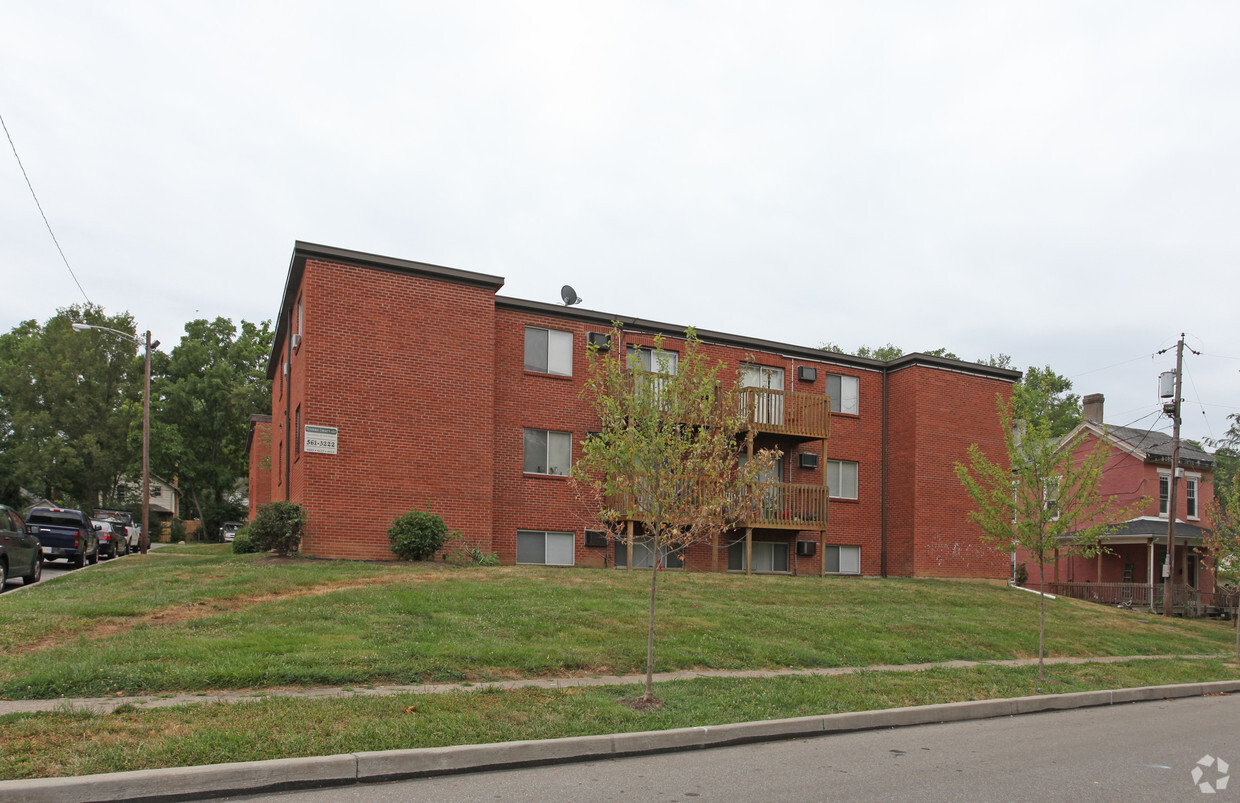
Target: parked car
(133,533)
(230,529)
(19,549)
(64,533)
(112,540)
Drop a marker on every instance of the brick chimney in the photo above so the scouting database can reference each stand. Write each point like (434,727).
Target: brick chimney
(1092,407)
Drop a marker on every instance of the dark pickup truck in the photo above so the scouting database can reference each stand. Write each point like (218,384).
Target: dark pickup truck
(67,534)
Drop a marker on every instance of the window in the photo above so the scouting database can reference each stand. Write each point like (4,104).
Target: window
(545,548)
(643,554)
(298,436)
(841,559)
(641,358)
(548,351)
(768,556)
(766,405)
(1164,493)
(156,491)
(1190,496)
(844,392)
(842,479)
(547,452)
(1050,497)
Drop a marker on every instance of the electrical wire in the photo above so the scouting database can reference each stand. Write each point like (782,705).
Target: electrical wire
(41,212)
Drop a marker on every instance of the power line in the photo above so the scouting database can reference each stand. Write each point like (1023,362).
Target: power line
(41,213)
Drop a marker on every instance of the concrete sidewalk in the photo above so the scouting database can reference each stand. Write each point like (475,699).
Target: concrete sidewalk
(219,780)
(105,705)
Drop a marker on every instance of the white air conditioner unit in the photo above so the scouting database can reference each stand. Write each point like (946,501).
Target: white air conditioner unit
(296,342)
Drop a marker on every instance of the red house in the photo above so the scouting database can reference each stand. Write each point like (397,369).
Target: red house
(1138,470)
(398,384)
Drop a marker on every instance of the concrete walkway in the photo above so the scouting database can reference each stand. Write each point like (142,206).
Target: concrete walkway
(105,705)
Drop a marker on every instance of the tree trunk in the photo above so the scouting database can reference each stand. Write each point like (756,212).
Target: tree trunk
(654,577)
(1041,616)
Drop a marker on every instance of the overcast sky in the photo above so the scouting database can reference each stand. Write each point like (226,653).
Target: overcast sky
(1056,181)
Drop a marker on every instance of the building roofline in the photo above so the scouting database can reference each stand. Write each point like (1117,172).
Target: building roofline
(303,251)
(628,323)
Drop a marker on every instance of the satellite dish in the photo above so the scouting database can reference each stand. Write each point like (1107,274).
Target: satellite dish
(569,295)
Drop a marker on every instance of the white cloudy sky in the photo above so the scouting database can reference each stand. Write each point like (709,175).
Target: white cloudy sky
(1056,181)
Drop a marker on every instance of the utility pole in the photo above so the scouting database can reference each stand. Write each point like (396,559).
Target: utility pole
(1169,565)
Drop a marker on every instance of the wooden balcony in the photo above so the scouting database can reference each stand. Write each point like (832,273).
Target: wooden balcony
(785,506)
(784,412)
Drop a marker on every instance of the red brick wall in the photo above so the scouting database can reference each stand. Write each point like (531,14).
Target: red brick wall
(402,366)
(261,466)
(938,414)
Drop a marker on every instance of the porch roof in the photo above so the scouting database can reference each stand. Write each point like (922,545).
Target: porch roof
(1143,527)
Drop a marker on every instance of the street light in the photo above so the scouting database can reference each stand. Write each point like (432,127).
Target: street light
(145,540)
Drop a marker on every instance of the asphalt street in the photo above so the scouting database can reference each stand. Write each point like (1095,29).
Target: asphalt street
(1133,752)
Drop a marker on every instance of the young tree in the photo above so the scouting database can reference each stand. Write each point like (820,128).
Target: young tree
(1043,395)
(668,456)
(1222,545)
(1042,496)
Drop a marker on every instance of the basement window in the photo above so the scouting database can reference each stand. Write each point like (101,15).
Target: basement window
(541,547)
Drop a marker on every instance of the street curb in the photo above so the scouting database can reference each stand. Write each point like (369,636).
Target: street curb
(218,780)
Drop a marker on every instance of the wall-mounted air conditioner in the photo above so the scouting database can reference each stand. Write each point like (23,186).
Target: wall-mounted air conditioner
(296,342)
(808,460)
(807,549)
(596,538)
(600,340)
(807,373)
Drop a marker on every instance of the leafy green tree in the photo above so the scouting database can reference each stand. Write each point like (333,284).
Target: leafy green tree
(667,458)
(209,385)
(1041,495)
(1043,396)
(1222,545)
(67,403)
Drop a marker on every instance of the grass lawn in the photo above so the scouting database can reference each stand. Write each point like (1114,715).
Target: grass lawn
(198,618)
(204,619)
(79,743)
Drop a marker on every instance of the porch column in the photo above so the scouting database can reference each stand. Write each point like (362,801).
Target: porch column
(629,546)
(1151,569)
(714,552)
(749,550)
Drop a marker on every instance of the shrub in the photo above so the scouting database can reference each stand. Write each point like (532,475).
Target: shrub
(279,526)
(244,542)
(176,530)
(472,556)
(417,535)
(1022,574)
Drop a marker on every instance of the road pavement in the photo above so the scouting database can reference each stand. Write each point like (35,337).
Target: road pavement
(1134,752)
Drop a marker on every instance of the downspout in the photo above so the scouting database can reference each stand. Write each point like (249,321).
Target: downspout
(883,492)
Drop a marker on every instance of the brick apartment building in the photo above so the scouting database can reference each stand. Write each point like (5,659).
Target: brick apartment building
(398,384)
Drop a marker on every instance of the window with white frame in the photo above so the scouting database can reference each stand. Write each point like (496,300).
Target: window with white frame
(768,556)
(644,552)
(545,548)
(841,559)
(844,392)
(1190,495)
(1164,493)
(647,359)
(1050,497)
(548,351)
(547,452)
(842,479)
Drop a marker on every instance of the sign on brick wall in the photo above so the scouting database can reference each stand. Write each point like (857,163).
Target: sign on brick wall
(321,440)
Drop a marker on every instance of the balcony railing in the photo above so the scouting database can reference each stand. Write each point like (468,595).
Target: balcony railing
(785,412)
(1185,600)
(784,505)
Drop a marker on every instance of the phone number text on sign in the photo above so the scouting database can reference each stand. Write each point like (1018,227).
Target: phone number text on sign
(321,440)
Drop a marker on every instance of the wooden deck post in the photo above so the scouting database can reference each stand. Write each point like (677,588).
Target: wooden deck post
(629,545)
